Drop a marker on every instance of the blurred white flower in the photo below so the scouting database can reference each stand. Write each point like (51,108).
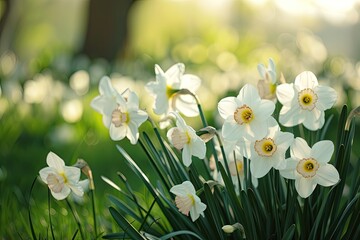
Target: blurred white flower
(166,91)
(121,113)
(61,179)
(267,84)
(309,166)
(246,115)
(305,101)
(269,151)
(184,138)
(187,201)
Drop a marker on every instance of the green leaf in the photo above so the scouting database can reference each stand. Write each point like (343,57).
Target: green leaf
(181,232)
(289,234)
(125,225)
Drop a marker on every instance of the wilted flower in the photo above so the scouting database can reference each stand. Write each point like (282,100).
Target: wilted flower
(187,201)
(267,84)
(309,166)
(61,179)
(184,138)
(121,113)
(269,151)
(304,101)
(246,115)
(166,90)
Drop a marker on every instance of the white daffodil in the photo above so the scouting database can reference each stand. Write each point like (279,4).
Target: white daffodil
(184,138)
(187,201)
(267,84)
(166,90)
(304,101)
(61,179)
(246,115)
(309,166)
(269,151)
(121,113)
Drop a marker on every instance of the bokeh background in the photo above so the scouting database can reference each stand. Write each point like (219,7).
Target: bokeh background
(54,52)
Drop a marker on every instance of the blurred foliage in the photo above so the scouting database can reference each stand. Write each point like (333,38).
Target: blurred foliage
(45,90)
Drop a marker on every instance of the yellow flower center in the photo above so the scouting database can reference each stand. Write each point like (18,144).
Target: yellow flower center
(118,118)
(243,114)
(170,91)
(307,99)
(265,147)
(307,167)
(179,138)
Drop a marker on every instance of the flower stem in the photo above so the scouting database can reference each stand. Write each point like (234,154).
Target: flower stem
(76,217)
(92,193)
(49,208)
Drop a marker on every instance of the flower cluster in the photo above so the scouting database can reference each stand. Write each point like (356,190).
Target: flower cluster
(250,145)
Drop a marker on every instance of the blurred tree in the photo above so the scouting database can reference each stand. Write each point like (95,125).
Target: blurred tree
(107,29)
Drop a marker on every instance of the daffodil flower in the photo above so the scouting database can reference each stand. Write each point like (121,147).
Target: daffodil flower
(309,166)
(267,84)
(304,101)
(61,179)
(166,90)
(269,151)
(187,201)
(120,112)
(246,115)
(184,138)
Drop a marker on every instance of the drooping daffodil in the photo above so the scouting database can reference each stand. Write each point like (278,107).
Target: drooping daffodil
(183,137)
(61,179)
(167,91)
(305,101)
(121,113)
(269,151)
(309,166)
(246,115)
(187,201)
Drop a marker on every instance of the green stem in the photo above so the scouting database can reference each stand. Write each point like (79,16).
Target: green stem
(76,217)
(49,208)
(93,210)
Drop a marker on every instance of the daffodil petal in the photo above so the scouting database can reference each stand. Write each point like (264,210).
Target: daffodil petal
(285,93)
(322,151)
(306,79)
(72,174)
(327,175)
(198,147)
(182,189)
(186,156)
(231,131)
(249,95)
(300,149)
(132,133)
(260,167)
(55,161)
(77,189)
(105,87)
(45,172)
(326,97)
(65,191)
(291,116)
(117,133)
(190,82)
(305,186)
(133,101)
(314,120)
(173,75)
(227,106)
(290,169)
